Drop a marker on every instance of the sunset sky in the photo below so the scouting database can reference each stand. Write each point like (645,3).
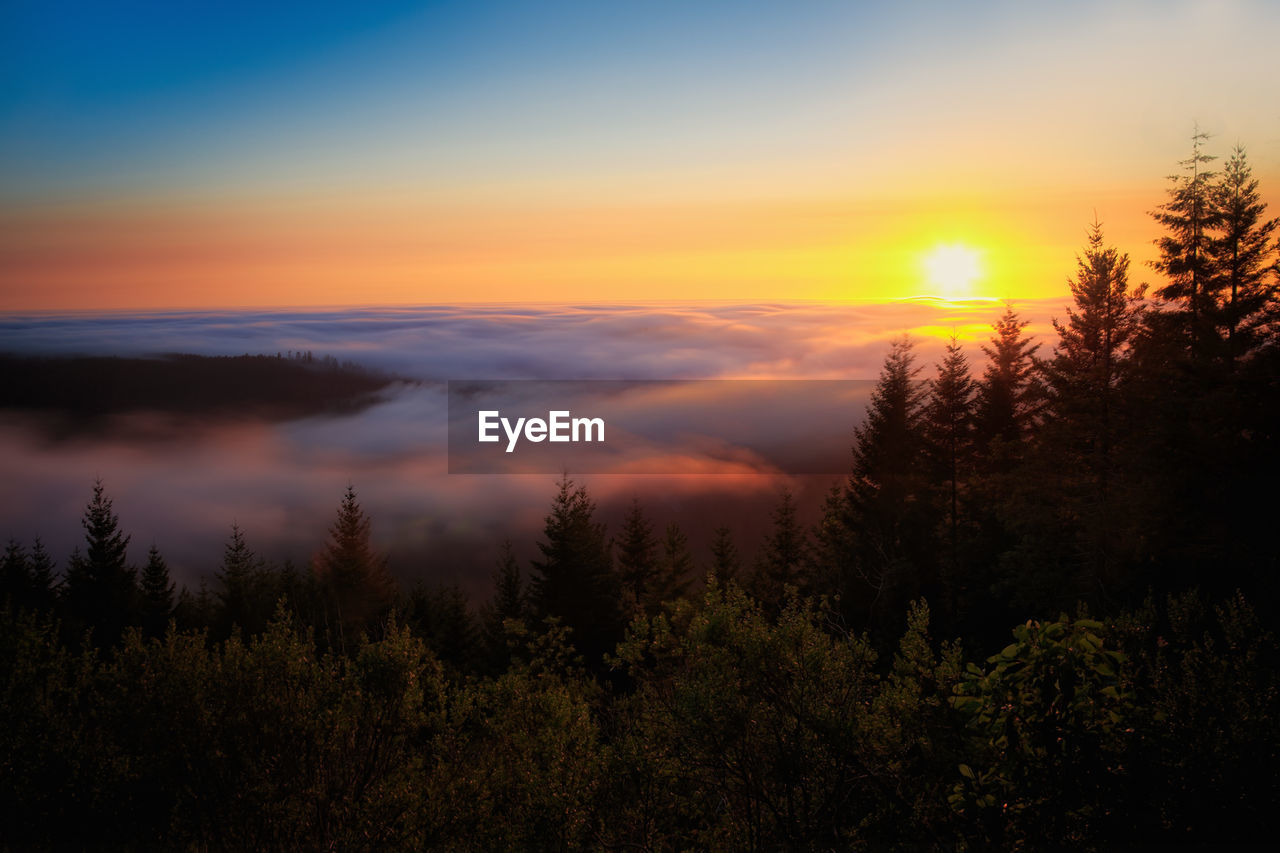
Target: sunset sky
(181,155)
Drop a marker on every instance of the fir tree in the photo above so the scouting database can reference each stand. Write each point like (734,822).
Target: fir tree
(637,559)
(157,595)
(239,577)
(357,585)
(725,563)
(1008,395)
(574,580)
(101,588)
(15,575)
(671,581)
(891,531)
(509,602)
(1084,419)
(783,559)
(1189,218)
(43,583)
(948,436)
(1243,255)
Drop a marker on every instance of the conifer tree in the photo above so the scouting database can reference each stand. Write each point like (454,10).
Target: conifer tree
(1189,218)
(101,588)
(157,595)
(1083,379)
(783,558)
(671,581)
(637,559)
(43,582)
(239,577)
(509,602)
(574,580)
(1007,395)
(1243,254)
(15,575)
(357,585)
(725,562)
(948,435)
(890,530)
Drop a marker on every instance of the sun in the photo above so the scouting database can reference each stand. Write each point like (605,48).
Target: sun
(951,270)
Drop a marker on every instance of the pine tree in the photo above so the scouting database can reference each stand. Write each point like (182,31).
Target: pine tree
(1083,413)
(675,569)
(1008,395)
(101,589)
(637,559)
(239,576)
(725,562)
(887,516)
(1189,219)
(948,436)
(354,577)
(574,580)
(157,595)
(783,559)
(509,603)
(1243,255)
(43,582)
(15,575)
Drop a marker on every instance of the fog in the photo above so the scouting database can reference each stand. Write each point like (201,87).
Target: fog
(180,484)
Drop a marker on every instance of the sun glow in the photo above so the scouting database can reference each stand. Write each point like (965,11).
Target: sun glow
(952,270)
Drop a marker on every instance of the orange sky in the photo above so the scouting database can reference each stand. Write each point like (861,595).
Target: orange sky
(645,152)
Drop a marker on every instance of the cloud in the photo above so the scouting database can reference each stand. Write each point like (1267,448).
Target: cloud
(283,482)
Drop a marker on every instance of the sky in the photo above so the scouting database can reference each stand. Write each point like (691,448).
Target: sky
(230,155)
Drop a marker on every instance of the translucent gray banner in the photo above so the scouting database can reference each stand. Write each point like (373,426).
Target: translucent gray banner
(714,426)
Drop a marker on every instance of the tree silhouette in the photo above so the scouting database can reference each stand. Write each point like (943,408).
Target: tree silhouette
(783,558)
(1008,393)
(157,595)
(354,577)
(947,426)
(1243,255)
(888,522)
(1189,217)
(637,559)
(101,588)
(725,562)
(574,580)
(240,578)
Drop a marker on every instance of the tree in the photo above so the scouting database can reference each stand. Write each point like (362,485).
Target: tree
(674,570)
(782,560)
(1189,218)
(1082,382)
(637,558)
(43,584)
(1243,255)
(886,516)
(157,595)
(1007,394)
(725,562)
(101,588)
(574,581)
(354,577)
(240,576)
(948,436)
(509,602)
(15,575)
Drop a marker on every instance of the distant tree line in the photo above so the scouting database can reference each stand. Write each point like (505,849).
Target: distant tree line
(83,391)
(850,683)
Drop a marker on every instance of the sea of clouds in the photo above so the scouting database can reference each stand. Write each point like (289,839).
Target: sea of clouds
(281,482)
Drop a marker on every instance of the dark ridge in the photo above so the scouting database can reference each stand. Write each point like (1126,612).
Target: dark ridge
(87,390)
